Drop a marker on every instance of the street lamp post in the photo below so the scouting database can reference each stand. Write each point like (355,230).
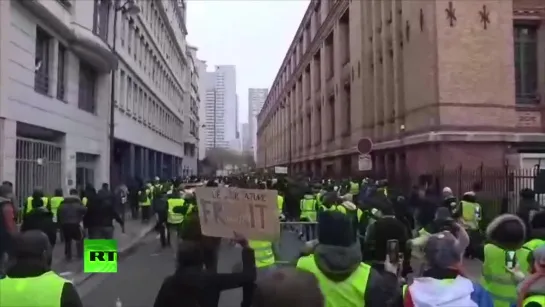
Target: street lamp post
(131,8)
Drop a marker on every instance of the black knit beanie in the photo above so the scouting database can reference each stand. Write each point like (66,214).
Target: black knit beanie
(335,228)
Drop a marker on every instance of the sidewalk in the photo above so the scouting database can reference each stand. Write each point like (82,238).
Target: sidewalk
(134,232)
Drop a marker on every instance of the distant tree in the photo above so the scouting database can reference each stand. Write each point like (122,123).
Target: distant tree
(219,158)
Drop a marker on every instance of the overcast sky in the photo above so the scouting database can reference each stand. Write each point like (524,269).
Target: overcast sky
(254,35)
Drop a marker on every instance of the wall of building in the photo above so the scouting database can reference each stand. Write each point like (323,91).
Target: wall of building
(409,80)
(256,99)
(220,107)
(201,67)
(83,132)
(151,114)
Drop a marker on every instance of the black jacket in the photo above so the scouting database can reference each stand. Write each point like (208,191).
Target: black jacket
(69,295)
(101,214)
(526,206)
(105,197)
(41,219)
(194,287)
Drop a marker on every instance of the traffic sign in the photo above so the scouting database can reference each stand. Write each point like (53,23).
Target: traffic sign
(365,162)
(365,145)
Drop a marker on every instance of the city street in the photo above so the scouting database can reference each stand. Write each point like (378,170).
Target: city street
(134,230)
(140,275)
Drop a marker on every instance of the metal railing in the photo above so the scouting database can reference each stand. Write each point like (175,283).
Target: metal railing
(293,237)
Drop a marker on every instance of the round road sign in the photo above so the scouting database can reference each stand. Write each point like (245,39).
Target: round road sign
(365,145)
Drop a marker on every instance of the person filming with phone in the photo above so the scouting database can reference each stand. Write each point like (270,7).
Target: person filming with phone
(443,282)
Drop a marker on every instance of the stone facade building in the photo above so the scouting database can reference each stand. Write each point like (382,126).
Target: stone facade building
(433,83)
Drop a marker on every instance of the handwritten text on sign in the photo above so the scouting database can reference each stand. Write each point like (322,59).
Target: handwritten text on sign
(252,213)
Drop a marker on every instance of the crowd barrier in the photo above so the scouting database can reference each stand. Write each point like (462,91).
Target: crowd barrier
(293,236)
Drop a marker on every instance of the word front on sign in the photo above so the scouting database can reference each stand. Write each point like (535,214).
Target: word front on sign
(100,256)
(252,213)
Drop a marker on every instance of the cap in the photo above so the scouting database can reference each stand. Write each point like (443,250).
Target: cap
(335,228)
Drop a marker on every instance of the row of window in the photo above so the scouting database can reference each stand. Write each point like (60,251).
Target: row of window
(525,58)
(43,70)
(134,42)
(135,101)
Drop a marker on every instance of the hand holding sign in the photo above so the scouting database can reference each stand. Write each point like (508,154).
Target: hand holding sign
(250,213)
(241,240)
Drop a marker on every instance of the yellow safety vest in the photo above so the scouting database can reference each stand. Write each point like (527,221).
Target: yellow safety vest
(40,291)
(347,293)
(147,202)
(55,204)
(264,255)
(354,188)
(525,251)
(84,201)
(29,203)
(308,208)
(173,217)
(280,203)
(471,214)
(540,299)
(318,197)
(496,279)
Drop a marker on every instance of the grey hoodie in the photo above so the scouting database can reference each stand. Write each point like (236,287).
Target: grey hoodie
(71,211)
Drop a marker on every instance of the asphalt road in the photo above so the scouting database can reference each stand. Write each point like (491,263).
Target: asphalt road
(140,275)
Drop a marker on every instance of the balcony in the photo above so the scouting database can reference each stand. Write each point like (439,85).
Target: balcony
(81,39)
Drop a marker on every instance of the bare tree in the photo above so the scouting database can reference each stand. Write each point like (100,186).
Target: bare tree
(221,157)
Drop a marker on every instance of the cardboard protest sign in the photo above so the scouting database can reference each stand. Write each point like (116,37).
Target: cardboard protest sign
(251,213)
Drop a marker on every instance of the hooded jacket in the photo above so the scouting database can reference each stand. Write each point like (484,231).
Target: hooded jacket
(41,219)
(338,263)
(195,287)
(445,288)
(71,211)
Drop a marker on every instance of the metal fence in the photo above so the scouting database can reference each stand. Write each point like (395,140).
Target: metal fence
(38,164)
(497,188)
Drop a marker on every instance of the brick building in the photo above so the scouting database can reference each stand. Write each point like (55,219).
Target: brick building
(432,82)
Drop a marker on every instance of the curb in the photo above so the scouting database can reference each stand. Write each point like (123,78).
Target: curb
(123,252)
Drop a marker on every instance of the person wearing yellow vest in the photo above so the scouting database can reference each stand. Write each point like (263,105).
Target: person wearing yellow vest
(442,282)
(264,256)
(336,262)
(31,281)
(471,212)
(280,205)
(38,193)
(506,235)
(177,210)
(144,200)
(308,206)
(531,287)
(354,187)
(470,216)
(40,218)
(535,239)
